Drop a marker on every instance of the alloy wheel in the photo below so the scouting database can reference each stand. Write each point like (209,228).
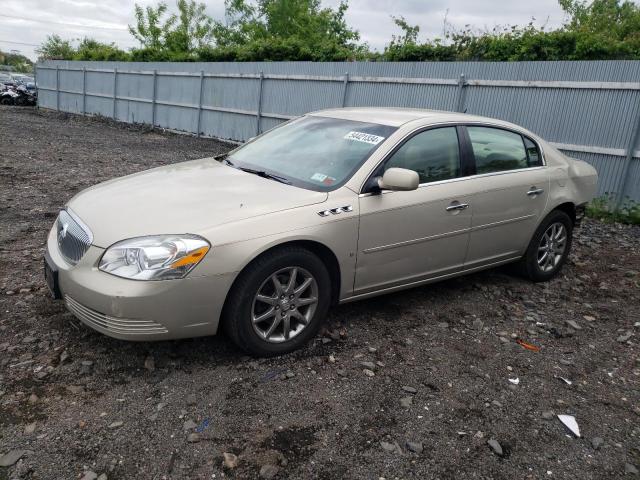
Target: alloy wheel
(284,304)
(552,247)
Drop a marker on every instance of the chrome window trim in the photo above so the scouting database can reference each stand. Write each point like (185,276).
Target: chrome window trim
(454,124)
(460,179)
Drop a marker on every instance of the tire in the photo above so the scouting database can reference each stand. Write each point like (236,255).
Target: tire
(255,295)
(6,101)
(534,264)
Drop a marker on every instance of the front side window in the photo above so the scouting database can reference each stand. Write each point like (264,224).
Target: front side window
(434,154)
(317,153)
(497,150)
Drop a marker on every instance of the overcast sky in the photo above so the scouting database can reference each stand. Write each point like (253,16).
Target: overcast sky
(24,24)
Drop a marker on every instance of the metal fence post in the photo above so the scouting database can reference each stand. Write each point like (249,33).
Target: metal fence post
(115,90)
(35,81)
(462,84)
(84,90)
(153,99)
(200,103)
(58,87)
(635,137)
(259,112)
(344,88)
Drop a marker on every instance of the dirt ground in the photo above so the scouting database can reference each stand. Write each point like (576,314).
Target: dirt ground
(76,404)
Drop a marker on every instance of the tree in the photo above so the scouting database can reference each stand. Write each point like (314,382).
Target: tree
(19,62)
(193,27)
(410,32)
(301,21)
(55,48)
(176,36)
(613,18)
(148,29)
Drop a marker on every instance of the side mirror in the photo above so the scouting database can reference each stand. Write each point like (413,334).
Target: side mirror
(399,179)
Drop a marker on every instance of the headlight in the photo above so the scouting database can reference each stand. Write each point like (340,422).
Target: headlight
(159,257)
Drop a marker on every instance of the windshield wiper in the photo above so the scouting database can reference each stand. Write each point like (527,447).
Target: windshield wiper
(263,174)
(260,173)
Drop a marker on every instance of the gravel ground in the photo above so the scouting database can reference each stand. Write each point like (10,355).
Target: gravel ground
(436,400)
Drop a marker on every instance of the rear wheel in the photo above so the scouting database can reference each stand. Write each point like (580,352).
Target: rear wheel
(549,247)
(278,302)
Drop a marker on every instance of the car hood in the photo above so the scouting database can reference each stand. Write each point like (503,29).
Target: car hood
(185,197)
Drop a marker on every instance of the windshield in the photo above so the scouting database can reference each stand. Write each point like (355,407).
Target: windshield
(312,152)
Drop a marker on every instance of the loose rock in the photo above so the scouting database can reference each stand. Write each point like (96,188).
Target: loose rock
(230,460)
(10,458)
(390,447)
(624,337)
(406,402)
(189,425)
(269,471)
(496,447)
(573,324)
(415,447)
(150,363)
(630,469)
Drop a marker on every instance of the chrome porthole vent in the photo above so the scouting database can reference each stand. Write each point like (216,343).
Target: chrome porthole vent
(74,237)
(336,211)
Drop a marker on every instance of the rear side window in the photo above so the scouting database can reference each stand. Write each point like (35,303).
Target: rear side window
(497,150)
(533,154)
(434,154)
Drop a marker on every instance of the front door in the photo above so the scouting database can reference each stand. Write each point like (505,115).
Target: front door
(406,237)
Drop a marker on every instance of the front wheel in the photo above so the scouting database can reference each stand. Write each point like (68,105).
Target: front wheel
(549,247)
(278,302)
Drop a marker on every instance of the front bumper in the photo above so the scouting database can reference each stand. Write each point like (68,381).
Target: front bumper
(139,310)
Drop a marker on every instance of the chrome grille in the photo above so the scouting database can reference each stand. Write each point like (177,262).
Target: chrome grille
(102,322)
(74,237)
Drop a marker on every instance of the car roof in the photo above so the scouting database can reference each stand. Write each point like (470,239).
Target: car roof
(399,116)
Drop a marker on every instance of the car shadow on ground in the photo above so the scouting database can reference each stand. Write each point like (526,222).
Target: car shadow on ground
(378,312)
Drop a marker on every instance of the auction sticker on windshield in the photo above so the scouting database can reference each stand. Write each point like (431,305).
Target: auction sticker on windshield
(363,137)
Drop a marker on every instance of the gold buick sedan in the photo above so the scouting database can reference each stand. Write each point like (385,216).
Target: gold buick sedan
(335,206)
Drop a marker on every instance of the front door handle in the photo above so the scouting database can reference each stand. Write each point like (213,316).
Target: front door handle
(535,191)
(457,206)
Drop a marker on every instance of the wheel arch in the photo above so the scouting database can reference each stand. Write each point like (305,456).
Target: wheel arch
(326,255)
(569,208)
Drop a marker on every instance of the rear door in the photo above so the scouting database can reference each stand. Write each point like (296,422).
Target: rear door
(510,191)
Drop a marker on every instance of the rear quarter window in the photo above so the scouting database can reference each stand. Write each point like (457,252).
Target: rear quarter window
(533,153)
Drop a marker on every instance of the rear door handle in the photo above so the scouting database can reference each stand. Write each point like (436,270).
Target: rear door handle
(457,206)
(535,191)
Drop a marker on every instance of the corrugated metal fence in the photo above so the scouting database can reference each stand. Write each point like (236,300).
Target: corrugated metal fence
(590,110)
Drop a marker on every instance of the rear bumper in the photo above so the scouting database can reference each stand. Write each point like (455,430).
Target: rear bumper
(139,310)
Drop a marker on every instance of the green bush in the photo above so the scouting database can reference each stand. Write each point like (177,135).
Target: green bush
(604,208)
